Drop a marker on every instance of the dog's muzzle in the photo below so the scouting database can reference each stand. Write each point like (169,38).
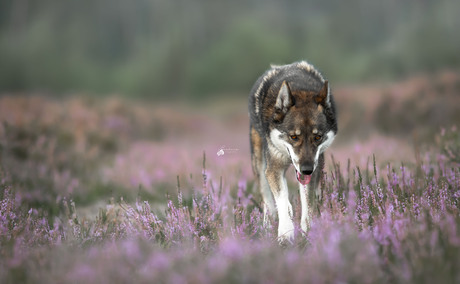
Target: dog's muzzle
(303,179)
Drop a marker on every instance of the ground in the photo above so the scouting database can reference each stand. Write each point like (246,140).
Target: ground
(98,188)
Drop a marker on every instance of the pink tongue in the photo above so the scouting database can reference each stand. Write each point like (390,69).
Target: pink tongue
(305,180)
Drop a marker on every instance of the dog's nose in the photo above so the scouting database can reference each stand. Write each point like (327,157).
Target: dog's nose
(306,169)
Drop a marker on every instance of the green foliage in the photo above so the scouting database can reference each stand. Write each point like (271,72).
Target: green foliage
(225,66)
(163,49)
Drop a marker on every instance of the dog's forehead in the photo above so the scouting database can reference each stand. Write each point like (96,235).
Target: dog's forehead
(306,118)
(304,97)
(308,113)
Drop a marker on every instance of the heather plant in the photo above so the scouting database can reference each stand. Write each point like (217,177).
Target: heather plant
(375,225)
(374,222)
(55,150)
(419,106)
(449,141)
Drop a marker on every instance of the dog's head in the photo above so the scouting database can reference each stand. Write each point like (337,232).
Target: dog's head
(303,127)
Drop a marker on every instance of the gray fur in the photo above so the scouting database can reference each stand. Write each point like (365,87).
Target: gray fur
(292,121)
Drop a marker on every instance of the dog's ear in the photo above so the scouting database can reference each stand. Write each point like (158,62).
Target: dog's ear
(323,96)
(284,100)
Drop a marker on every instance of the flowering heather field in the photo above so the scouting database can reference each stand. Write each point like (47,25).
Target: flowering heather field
(111,191)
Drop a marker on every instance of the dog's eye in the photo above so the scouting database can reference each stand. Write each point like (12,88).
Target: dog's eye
(317,138)
(294,137)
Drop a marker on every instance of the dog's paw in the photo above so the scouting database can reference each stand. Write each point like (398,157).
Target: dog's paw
(286,240)
(305,226)
(286,235)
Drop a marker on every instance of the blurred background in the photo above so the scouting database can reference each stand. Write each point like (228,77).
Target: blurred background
(105,99)
(195,49)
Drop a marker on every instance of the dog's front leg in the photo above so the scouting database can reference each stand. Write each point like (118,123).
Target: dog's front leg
(277,182)
(306,210)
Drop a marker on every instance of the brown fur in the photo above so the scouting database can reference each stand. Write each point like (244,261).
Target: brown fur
(256,150)
(293,121)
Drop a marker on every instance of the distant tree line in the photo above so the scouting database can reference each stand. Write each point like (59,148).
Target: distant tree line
(197,48)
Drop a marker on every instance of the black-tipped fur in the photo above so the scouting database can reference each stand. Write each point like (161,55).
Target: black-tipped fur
(292,121)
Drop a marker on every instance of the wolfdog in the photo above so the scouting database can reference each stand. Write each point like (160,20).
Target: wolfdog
(292,121)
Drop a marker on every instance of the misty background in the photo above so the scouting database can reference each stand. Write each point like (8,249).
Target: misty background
(200,48)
